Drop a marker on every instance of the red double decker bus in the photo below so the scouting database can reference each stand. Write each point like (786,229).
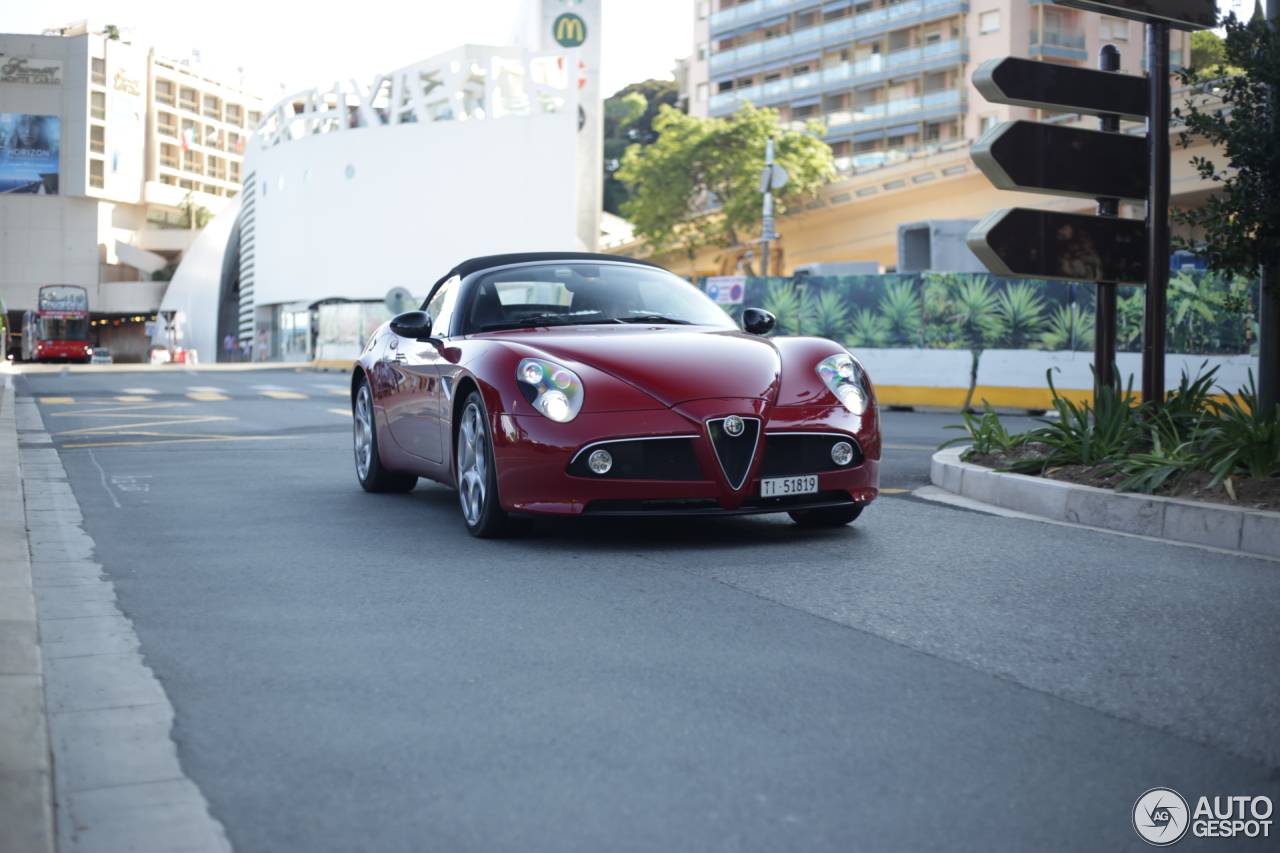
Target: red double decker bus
(58,329)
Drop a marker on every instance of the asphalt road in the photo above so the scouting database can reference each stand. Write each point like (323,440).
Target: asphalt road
(354,672)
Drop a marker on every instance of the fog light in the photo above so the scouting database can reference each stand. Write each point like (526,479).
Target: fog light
(842,453)
(600,462)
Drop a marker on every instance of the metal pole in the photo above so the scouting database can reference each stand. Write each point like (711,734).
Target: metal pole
(1269,279)
(1153,328)
(1104,326)
(766,225)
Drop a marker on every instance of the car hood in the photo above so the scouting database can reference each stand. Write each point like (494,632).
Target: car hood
(672,364)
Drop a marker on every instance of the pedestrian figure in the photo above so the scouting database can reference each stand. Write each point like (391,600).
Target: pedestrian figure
(229,345)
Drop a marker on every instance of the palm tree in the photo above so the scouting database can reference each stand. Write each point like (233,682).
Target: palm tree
(1069,327)
(978,321)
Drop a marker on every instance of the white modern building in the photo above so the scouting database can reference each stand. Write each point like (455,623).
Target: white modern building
(106,151)
(354,189)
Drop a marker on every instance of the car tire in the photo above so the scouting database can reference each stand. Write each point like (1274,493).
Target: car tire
(827,516)
(478,476)
(370,471)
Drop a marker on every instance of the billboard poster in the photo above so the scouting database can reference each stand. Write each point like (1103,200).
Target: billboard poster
(29,153)
(126,134)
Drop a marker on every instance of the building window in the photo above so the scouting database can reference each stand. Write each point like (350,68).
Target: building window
(215,169)
(212,109)
(95,174)
(164,92)
(704,9)
(166,124)
(99,72)
(190,161)
(701,95)
(806,111)
(169,156)
(989,22)
(234,115)
(987,122)
(98,105)
(255,116)
(186,185)
(97,139)
(187,99)
(703,50)
(233,172)
(235,143)
(212,139)
(1113,29)
(837,14)
(167,180)
(804,20)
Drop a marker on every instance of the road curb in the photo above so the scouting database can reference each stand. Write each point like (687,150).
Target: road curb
(1247,531)
(26,771)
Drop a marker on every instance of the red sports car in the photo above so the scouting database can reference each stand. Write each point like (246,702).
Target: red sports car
(569,384)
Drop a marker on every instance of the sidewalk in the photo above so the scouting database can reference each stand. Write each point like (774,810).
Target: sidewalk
(26,771)
(87,761)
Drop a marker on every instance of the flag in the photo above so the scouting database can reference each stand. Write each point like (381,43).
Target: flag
(188,138)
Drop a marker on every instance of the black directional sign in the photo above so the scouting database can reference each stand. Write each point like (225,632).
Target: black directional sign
(1047,85)
(1067,246)
(1059,160)
(1179,14)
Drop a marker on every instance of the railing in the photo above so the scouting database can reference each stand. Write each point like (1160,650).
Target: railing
(97,146)
(1056,39)
(167,130)
(169,162)
(164,98)
(189,106)
(841,71)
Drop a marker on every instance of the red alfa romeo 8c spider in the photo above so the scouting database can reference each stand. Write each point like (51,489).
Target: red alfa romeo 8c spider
(573,384)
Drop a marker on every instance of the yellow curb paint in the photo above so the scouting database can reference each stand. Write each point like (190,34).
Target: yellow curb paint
(207,396)
(343,392)
(333,365)
(284,395)
(344,412)
(893,491)
(57,401)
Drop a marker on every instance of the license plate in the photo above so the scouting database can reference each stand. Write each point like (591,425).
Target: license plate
(782,486)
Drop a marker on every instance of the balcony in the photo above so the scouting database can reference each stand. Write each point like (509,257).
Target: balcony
(1053,38)
(167,130)
(840,71)
(169,162)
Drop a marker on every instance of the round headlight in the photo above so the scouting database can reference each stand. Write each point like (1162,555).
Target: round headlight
(600,462)
(561,380)
(844,367)
(842,453)
(556,406)
(532,372)
(851,396)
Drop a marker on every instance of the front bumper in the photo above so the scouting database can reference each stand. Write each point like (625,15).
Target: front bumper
(534,456)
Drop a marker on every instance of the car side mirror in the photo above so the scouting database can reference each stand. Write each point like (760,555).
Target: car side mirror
(415,325)
(758,321)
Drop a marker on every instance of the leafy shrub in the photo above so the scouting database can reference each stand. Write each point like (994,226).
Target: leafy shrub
(986,433)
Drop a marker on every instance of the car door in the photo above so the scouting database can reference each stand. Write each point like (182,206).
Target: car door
(416,401)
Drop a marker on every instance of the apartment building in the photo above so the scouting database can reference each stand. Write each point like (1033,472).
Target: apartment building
(887,78)
(106,148)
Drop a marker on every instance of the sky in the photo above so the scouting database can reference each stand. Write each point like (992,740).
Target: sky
(304,46)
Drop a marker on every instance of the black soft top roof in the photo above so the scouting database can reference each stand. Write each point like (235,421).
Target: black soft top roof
(467,267)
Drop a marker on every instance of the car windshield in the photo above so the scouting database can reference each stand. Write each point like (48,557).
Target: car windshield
(575,294)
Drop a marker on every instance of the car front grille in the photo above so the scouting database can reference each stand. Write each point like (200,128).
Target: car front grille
(642,459)
(793,454)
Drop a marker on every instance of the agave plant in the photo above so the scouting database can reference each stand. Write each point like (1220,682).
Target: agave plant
(827,315)
(1021,311)
(868,329)
(783,302)
(1129,310)
(900,305)
(978,322)
(1069,327)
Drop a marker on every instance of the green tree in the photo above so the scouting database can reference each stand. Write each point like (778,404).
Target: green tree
(698,183)
(194,214)
(1208,54)
(628,120)
(1240,225)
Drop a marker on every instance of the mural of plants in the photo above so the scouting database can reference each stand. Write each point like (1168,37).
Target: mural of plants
(1208,313)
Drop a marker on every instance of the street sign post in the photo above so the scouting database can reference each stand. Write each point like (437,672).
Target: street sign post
(771,178)
(1179,14)
(1047,85)
(1027,243)
(1057,160)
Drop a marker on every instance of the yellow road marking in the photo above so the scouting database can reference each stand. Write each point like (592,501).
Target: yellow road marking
(207,396)
(284,395)
(339,391)
(893,491)
(134,398)
(57,401)
(343,412)
(183,439)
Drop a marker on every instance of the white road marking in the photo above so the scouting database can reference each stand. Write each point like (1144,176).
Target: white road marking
(206,389)
(139,391)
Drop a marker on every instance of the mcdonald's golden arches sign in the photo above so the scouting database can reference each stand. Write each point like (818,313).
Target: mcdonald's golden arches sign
(569,30)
